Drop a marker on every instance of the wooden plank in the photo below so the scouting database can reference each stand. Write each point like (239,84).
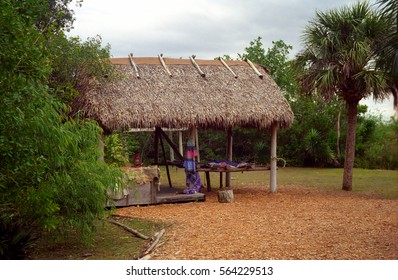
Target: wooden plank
(227,171)
(244,169)
(175,198)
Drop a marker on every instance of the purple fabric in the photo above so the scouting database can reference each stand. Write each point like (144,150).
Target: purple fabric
(193,182)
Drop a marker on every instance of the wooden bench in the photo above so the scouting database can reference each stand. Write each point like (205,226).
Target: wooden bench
(229,170)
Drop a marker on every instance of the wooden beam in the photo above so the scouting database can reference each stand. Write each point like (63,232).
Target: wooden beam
(229,156)
(274,159)
(197,144)
(164,65)
(165,159)
(254,68)
(192,58)
(170,135)
(180,145)
(229,68)
(134,65)
(172,145)
(156,148)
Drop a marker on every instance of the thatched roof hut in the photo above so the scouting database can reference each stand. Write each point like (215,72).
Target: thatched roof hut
(179,94)
(188,93)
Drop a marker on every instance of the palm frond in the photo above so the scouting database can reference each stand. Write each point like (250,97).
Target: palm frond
(339,46)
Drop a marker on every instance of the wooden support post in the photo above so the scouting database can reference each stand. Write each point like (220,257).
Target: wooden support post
(197,144)
(165,159)
(171,148)
(229,156)
(208,181)
(273,158)
(180,145)
(156,148)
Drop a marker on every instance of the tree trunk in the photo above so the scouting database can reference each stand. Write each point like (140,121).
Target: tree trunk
(350,144)
(338,136)
(226,196)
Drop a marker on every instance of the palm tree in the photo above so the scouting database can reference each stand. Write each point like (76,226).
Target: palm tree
(338,59)
(388,56)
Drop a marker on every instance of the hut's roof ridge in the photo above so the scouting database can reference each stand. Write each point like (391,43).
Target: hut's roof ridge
(175,61)
(145,95)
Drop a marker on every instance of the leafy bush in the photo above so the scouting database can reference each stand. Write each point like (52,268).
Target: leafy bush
(51,177)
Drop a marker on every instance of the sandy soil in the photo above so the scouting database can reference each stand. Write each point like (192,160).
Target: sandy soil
(295,223)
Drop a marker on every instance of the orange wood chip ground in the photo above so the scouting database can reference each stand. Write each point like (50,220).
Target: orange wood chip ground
(294,223)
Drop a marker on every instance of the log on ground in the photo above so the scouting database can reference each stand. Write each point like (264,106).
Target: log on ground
(226,196)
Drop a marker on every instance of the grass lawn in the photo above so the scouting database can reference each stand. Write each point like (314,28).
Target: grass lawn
(112,242)
(383,183)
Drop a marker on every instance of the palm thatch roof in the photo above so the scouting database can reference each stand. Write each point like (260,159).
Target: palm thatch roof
(179,94)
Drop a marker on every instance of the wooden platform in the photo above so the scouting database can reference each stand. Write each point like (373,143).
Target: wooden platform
(173,195)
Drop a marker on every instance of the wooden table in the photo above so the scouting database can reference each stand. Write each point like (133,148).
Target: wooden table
(222,170)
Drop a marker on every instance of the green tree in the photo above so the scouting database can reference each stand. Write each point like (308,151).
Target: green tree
(281,68)
(254,52)
(377,143)
(50,175)
(338,47)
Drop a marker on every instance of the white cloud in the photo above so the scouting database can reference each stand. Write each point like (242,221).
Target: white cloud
(207,28)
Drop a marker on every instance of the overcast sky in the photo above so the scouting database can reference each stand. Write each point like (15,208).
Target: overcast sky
(206,28)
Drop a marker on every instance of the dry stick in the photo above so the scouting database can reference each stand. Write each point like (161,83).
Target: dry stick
(155,242)
(164,65)
(254,68)
(192,58)
(229,68)
(133,231)
(134,65)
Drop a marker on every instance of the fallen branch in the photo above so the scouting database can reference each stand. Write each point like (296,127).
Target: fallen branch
(152,246)
(133,231)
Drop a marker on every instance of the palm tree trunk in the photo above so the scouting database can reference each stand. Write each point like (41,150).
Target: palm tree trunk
(338,136)
(350,144)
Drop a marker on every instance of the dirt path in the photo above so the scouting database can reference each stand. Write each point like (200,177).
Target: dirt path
(295,223)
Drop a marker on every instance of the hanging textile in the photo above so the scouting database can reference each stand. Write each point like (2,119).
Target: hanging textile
(193,182)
